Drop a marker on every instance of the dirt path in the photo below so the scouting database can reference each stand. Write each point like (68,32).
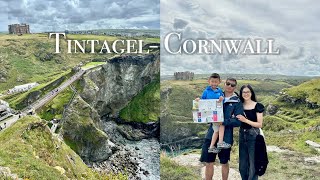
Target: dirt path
(192,160)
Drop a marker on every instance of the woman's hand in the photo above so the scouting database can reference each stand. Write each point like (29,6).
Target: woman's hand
(241,118)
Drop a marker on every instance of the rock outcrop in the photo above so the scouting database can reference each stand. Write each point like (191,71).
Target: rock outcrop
(80,131)
(4,108)
(293,100)
(110,88)
(272,109)
(92,125)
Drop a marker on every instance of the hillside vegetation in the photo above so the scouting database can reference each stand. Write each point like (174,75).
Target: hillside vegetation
(145,106)
(31,152)
(32,58)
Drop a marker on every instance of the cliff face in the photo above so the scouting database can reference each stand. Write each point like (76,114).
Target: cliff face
(104,92)
(81,133)
(110,88)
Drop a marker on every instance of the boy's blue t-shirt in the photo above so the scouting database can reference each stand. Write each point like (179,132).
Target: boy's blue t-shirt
(209,93)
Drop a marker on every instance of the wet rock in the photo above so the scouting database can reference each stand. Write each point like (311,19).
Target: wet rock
(130,133)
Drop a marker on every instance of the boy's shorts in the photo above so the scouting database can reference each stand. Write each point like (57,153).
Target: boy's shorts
(224,154)
(215,127)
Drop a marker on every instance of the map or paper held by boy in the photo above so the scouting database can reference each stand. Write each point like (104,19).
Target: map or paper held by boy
(207,111)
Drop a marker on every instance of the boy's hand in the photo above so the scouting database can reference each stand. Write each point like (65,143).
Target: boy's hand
(220,99)
(197,99)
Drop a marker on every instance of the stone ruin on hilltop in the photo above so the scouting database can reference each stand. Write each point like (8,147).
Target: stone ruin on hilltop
(184,75)
(19,29)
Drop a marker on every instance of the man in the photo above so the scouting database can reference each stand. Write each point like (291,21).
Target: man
(231,108)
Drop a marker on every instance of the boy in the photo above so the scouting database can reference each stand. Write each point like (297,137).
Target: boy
(214,92)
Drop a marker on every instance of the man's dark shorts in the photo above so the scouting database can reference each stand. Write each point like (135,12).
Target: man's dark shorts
(224,154)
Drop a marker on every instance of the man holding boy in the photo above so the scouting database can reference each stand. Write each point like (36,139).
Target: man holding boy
(231,108)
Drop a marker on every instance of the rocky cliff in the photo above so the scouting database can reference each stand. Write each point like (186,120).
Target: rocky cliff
(92,126)
(111,87)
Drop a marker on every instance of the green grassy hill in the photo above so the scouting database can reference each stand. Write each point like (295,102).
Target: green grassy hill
(309,90)
(32,58)
(31,152)
(295,116)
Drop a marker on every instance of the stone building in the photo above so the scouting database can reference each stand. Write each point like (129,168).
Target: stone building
(184,75)
(19,29)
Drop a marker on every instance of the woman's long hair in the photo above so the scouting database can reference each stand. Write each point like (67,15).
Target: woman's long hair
(253,95)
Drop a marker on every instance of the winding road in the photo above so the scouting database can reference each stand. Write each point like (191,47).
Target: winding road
(45,99)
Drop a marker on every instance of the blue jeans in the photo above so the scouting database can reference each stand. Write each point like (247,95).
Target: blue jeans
(247,139)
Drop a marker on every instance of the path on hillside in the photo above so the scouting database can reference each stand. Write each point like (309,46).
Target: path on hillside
(192,160)
(45,99)
(49,96)
(304,162)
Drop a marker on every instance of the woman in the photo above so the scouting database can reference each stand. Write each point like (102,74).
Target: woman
(251,122)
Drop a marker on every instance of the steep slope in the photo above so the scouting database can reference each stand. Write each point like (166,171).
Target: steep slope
(31,152)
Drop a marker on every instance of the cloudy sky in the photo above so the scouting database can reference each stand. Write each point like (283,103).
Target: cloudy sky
(56,15)
(294,26)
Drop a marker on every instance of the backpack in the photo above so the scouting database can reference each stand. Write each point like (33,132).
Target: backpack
(261,156)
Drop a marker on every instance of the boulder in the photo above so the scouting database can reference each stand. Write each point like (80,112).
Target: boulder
(271,109)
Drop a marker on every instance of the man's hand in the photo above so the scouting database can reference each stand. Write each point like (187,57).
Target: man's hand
(220,99)
(241,118)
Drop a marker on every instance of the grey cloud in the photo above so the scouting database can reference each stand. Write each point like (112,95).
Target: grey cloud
(283,21)
(298,54)
(179,23)
(313,60)
(80,14)
(264,60)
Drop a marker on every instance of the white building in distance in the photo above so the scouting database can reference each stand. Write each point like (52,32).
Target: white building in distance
(22,88)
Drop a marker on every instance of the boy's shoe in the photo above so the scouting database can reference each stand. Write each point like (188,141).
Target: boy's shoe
(213,150)
(223,145)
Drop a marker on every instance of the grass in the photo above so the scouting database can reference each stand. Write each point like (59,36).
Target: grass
(144,107)
(293,141)
(32,58)
(92,64)
(18,101)
(29,150)
(308,90)
(170,170)
(55,108)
